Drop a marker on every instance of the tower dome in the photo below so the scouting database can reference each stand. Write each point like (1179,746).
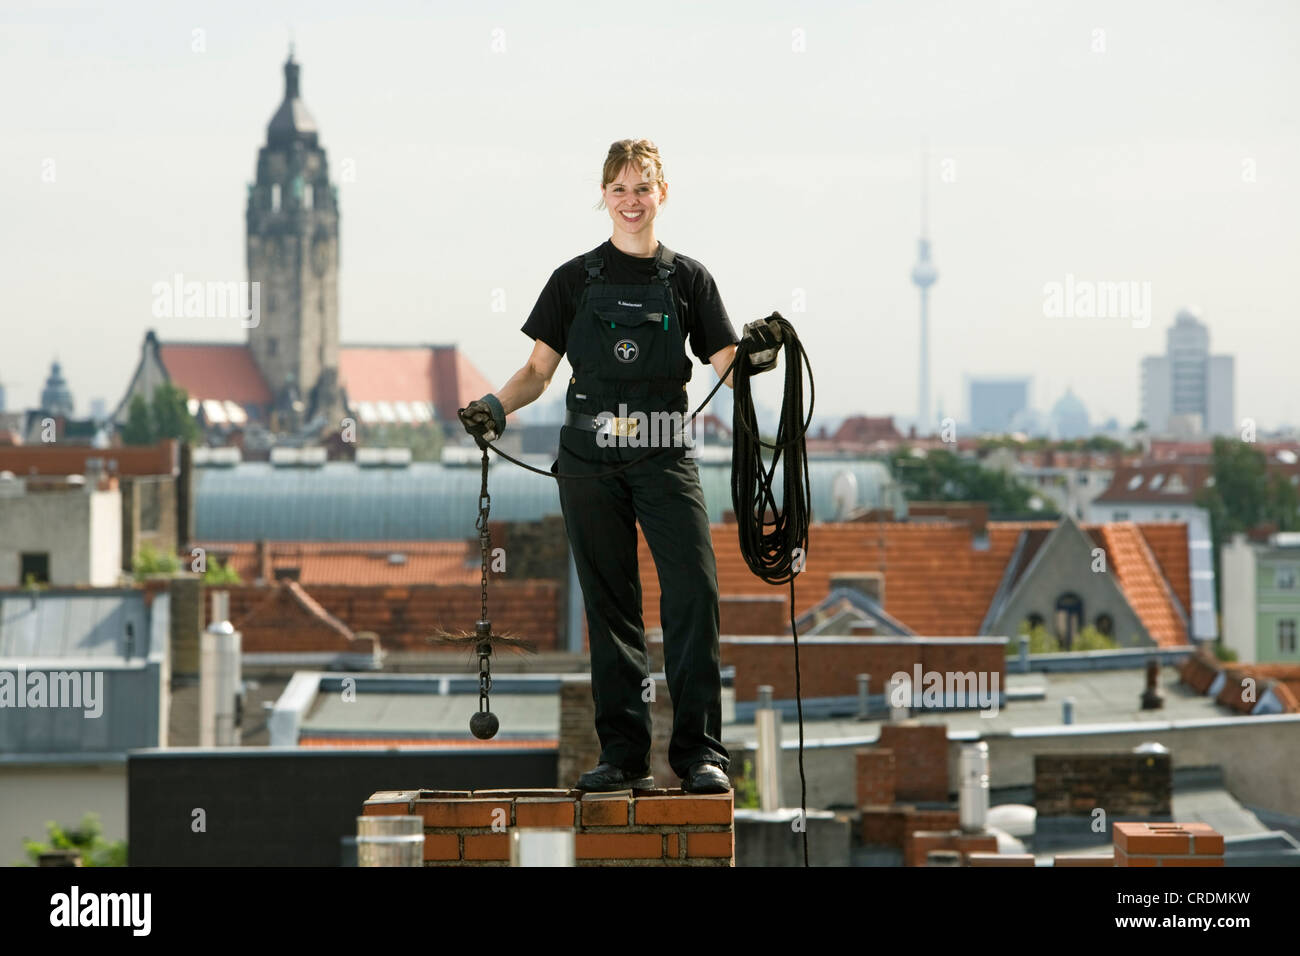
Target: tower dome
(56,398)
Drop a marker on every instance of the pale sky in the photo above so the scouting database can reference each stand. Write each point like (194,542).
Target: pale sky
(1110,141)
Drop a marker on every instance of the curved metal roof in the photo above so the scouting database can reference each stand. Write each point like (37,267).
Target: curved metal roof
(341,501)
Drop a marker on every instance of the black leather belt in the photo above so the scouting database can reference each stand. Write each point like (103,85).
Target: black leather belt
(608,425)
(626,427)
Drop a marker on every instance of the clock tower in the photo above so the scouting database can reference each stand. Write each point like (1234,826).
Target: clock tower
(293,254)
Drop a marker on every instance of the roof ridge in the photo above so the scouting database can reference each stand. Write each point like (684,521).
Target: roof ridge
(313,607)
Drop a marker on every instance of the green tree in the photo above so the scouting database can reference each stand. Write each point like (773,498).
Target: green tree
(166,415)
(148,560)
(1243,495)
(88,839)
(423,439)
(218,573)
(940,475)
(1041,641)
(1091,639)
(747,787)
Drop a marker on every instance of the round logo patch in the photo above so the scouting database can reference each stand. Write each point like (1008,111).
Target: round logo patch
(625,350)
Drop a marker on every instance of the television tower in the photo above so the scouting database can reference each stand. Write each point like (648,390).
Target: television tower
(924,275)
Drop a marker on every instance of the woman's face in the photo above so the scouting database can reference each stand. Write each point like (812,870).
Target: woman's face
(633,200)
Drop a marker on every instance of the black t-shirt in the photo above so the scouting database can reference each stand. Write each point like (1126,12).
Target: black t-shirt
(699,305)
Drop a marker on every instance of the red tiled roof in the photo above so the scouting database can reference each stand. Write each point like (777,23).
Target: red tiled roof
(1168,542)
(936,583)
(1139,576)
(406,617)
(387,374)
(289,619)
(864,428)
(356,562)
(439,374)
(218,371)
(1180,481)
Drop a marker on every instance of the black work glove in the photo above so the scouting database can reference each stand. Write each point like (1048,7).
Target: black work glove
(764,340)
(484,418)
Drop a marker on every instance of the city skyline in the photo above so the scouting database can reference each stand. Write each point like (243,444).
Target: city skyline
(1178,188)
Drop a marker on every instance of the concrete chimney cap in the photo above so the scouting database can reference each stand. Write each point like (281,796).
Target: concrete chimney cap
(221,627)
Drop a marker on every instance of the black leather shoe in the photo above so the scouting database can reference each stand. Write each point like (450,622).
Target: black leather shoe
(705,777)
(608,777)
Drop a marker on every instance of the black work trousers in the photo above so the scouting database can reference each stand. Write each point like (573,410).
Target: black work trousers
(663,493)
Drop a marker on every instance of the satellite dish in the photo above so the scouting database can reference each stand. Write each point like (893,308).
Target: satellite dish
(844,493)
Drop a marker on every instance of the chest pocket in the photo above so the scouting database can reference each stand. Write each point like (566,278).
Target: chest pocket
(636,344)
(631,318)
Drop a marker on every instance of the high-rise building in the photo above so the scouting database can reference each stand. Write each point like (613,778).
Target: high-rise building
(995,403)
(1187,383)
(293,252)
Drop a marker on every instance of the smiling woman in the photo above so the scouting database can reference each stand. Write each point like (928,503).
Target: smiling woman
(625,313)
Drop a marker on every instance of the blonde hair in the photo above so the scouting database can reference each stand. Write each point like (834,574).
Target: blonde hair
(641,154)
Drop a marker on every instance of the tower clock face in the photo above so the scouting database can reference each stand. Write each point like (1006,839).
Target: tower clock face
(320,256)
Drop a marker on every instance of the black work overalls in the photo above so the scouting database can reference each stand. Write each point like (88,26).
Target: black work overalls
(627,347)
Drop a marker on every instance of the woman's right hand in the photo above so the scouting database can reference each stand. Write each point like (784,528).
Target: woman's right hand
(483,418)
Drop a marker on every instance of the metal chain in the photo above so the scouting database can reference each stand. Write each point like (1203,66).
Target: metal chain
(483,629)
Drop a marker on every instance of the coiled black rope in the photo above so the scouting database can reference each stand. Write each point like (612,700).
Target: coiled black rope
(776,547)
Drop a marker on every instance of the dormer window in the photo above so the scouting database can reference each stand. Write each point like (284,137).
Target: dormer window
(1134,482)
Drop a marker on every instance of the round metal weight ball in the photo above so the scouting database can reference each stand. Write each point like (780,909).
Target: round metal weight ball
(484,726)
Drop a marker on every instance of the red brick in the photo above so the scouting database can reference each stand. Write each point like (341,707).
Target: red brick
(977,843)
(875,776)
(883,826)
(390,803)
(672,850)
(684,811)
(441,846)
(1205,840)
(487,846)
(917,845)
(1123,859)
(597,812)
(708,844)
(551,793)
(543,812)
(920,759)
(463,813)
(1080,859)
(1151,839)
(618,846)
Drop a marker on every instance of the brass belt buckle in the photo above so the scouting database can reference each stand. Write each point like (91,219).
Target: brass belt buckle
(624,427)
